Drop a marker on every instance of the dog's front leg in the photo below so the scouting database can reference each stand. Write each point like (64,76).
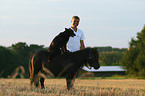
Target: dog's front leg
(64,49)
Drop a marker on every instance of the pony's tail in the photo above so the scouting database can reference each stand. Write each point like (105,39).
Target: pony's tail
(31,69)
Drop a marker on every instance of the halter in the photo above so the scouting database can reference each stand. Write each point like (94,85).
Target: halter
(87,65)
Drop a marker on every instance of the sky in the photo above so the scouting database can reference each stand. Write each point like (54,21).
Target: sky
(104,22)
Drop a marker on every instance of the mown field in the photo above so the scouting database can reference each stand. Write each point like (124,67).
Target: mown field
(83,87)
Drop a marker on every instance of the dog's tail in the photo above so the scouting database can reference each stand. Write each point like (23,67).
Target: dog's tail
(31,68)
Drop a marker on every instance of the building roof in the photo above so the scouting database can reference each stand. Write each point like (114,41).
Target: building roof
(105,69)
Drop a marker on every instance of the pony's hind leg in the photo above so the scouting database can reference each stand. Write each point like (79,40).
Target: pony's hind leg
(36,80)
(42,77)
(42,83)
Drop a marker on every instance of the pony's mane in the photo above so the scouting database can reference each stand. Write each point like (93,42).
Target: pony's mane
(88,48)
(80,52)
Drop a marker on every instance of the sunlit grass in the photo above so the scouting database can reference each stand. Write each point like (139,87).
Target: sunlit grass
(57,87)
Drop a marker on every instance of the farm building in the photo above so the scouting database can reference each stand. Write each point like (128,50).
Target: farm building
(106,71)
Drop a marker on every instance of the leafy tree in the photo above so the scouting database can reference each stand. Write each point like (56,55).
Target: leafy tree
(8,61)
(21,48)
(25,51)
(111,58)
(35,48)
(134,58)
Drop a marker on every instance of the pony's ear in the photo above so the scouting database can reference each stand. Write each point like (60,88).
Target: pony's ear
(95,49)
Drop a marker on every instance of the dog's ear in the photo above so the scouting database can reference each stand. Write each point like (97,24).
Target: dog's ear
(66,29)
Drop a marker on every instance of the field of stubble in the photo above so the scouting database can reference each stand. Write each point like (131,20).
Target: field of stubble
(82,87)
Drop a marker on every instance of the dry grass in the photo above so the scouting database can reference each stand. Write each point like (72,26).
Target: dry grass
(57,87)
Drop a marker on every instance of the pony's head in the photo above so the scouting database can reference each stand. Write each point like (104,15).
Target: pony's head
(93,58)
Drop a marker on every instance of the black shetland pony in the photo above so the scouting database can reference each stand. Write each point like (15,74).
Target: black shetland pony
(63,65)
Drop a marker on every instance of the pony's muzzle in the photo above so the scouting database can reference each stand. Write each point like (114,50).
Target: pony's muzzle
(97,66)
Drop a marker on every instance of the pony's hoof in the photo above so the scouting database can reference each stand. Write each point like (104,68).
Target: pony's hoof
(42,87)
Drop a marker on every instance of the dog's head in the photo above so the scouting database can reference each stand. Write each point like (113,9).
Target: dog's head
(71,32)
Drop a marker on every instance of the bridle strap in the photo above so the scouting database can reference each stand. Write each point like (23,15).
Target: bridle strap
(90,56)
(89,67)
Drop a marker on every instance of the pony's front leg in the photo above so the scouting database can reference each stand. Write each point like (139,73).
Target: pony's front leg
(70,81)
(36,80)
(69,84)
(73,80)
(42,83)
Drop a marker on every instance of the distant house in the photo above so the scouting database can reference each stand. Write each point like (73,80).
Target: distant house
(106,71)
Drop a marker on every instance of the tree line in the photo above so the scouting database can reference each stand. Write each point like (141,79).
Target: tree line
(18,55)
(133,58)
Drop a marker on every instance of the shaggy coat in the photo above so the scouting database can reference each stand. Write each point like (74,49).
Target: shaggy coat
(65,65)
